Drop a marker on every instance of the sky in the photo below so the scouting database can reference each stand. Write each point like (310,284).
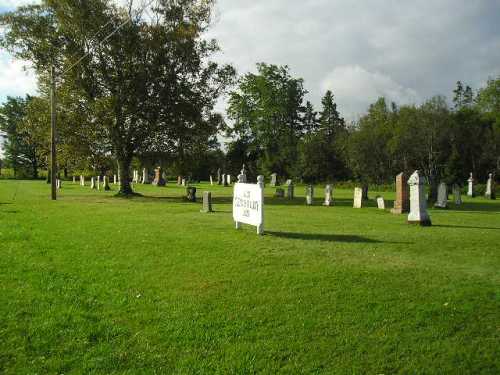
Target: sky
(406,51)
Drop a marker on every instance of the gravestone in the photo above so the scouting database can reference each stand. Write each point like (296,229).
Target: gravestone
(207,202)
(179,180)
(145,176)
(136,176)
(242,177)
(159,180)
(380,203)
(309,195)
(92,183)
(358,197)
(98,183)
(219,177)
(191,194)
(470,190)
(74,179)
(115,180)
(105,183)
(328,196)
(490,187)
(228,177)
(273,180)
(402,202)
(183,182)
(280,193)
(290,190)
(457,194)
(211,181)
(442,198)
(58,184)
(418,203)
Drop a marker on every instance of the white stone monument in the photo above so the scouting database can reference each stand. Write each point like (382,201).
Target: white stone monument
(380,203)
(309,195)
(470,190)
(418,204)
(248,204)
(328,196)
(490,187)
(442,198)
(358,197)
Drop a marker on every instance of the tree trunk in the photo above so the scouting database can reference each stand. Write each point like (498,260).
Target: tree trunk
(35,169)
(124,168)
(364,188)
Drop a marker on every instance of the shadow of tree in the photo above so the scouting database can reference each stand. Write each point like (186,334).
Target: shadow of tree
(328,237)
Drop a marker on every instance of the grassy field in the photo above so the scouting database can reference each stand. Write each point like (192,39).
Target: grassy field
(97,284)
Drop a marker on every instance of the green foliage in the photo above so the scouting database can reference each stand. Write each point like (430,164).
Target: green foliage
(267,112)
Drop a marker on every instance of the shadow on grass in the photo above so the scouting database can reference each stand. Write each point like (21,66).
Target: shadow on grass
(475,207)
(464,227)
(329,237)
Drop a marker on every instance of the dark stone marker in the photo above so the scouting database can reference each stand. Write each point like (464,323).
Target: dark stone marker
(280,193)
(191,194)
(402,202)
(207,202)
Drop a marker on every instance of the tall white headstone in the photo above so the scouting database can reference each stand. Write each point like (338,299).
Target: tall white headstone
(442,198)
(457,195)
(309,195)
(470,190)
(418,204)
(328,196)
(358,197)
(490,187)
(98,182)
(248,204)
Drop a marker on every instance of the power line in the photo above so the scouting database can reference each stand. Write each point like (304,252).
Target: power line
(108,36)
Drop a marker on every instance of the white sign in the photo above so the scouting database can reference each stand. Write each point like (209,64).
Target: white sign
(248,204)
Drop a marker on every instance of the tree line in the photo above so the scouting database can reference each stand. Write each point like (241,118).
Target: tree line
(145,96)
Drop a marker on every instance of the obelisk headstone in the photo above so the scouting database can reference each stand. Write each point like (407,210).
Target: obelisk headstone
(470,190)
(418,203)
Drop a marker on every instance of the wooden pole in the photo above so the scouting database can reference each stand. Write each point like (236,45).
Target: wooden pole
(53,134)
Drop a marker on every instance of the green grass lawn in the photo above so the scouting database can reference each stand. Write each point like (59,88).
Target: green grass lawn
(97,284)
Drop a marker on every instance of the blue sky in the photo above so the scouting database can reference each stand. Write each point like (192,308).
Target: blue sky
(404,50)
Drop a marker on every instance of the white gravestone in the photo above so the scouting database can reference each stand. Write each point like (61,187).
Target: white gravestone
(92,183)
(98,182)
(418,204)
(290,190)
(145,178)
(228,179)
(248,204)
(442,198)
(273,179)
(114,179)
(490,187)
(457,195)
(328,196)
(309,195)
(470,190)
(380,203)
(58,184)
(358,197)
(211,180)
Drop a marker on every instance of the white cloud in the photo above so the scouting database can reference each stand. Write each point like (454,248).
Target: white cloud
(14,79)
(355,88)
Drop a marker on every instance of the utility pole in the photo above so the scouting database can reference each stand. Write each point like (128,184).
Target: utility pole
(53,134)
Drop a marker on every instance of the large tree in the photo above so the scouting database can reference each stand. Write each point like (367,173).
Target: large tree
(149,84)
(266,111)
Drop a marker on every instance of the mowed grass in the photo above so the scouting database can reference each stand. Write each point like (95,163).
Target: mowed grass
(103,285)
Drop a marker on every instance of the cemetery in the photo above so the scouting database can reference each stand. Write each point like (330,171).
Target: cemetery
(170,204)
